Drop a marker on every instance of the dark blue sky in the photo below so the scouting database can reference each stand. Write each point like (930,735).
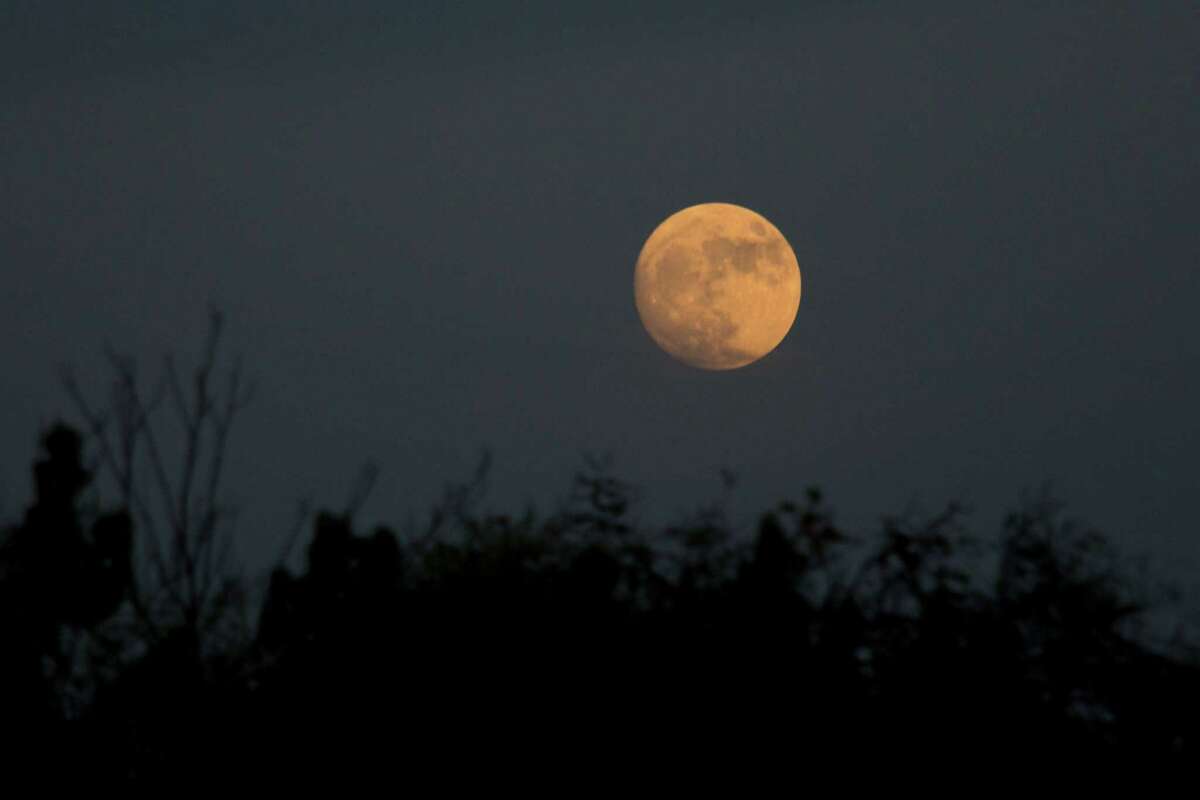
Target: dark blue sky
(423,226)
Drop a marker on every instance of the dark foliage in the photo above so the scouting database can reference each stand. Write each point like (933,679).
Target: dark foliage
(582,618)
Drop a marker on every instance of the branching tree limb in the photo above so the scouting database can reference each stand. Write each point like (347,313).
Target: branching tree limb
(170,480)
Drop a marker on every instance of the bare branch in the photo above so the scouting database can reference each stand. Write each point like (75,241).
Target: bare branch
(302,516)
(172,485)
(368,474)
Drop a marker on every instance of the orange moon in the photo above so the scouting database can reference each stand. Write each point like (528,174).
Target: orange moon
(717,286)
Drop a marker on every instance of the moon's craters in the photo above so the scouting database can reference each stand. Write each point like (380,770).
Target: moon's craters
(678,275)
(717,286)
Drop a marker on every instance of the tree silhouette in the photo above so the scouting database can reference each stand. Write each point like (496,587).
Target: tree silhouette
(64,571)
(923,636)
(185,585)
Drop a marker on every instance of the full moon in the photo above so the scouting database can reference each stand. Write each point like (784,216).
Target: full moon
(717,286)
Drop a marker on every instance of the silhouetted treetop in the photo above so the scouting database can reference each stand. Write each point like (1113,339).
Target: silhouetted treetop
(923,633)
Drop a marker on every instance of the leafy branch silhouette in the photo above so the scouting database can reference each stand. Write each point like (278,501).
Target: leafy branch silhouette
(922,632)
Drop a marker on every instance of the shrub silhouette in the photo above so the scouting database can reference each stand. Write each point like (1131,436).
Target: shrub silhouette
(905,639)
(62,573)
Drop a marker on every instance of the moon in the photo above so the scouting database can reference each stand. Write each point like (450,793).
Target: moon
(717,286)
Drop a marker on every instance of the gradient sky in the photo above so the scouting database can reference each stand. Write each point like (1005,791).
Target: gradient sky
(423,226)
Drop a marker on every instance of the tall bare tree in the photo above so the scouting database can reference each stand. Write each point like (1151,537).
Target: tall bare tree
(164,445)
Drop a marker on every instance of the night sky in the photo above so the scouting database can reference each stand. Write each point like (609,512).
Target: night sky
(422,227)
